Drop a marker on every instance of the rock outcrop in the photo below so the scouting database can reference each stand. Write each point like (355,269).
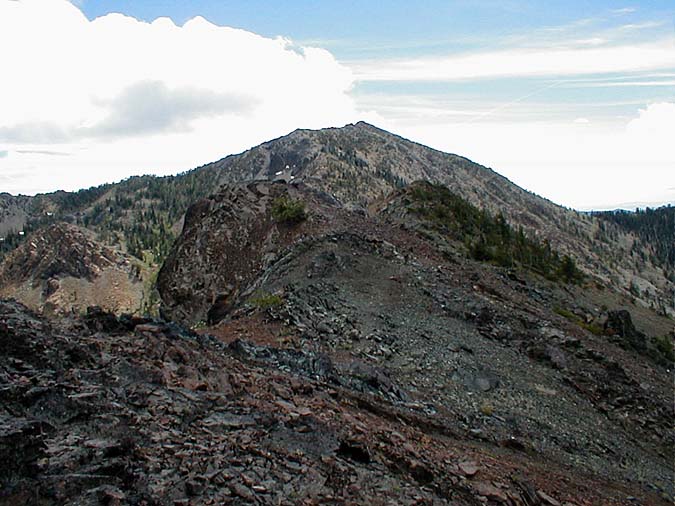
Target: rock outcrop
(620,324)
(229,239)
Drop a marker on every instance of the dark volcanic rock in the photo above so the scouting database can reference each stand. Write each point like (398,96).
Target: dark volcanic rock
(21,446)
(108,410)
(375,305)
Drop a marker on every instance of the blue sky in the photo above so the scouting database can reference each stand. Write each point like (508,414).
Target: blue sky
(544,92)
(348,27)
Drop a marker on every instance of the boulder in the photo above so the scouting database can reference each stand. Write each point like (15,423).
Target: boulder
(620,324)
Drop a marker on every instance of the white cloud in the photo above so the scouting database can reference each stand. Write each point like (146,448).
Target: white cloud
(577,165)
(653,131)
(126,97)
(621,84)
(35,132)
(644,25)
(149,107)
(524,62)
(592,41)
(41,152)
(624,10)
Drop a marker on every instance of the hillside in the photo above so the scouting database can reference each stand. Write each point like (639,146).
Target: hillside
(655,229)
(398,299)
(357,164)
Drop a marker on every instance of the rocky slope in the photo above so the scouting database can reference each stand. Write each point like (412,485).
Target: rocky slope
(357,164)
(503,357)
(106,410)
(62,268)
(655,228)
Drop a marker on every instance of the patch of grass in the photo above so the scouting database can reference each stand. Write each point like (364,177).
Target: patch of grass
(566,314)
(664,345)
(487,409)
(151,299)
(265,300)
(288,210)
(592,328)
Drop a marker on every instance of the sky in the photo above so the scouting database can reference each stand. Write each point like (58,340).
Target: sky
(573,100)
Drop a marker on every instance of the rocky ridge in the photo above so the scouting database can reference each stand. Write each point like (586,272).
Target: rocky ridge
(62,268)
(357,164)
(492,352)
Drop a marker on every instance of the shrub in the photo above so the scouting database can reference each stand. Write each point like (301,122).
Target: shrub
(568,271)
(487,409)
(288,210)
(264,300)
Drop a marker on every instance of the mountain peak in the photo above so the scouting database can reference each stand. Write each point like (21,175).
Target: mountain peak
(368,126)
(349,323)
(356,164)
